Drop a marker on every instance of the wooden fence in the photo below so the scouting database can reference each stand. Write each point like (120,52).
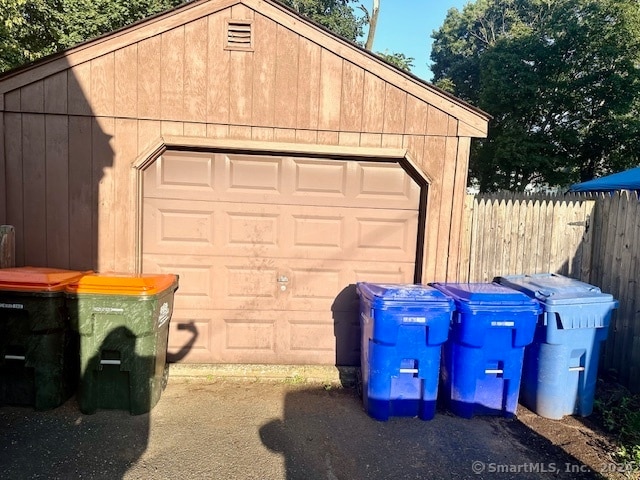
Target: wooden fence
(592,238)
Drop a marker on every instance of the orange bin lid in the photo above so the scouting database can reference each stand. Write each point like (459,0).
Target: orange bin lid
(36,279)
(122,284)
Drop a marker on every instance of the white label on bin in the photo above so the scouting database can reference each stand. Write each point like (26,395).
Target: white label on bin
(16,306)
(164,314)
(503,324)
(108,310)
(414,319)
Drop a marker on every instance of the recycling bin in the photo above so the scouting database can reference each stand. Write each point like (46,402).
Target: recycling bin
(123,324)
(403,328)
(561,365)
(38,350)
(482,358)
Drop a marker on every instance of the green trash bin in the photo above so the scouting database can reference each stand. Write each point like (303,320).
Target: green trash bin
(38,350)
(123,322)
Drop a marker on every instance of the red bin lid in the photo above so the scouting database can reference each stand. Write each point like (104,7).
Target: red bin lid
(36,279)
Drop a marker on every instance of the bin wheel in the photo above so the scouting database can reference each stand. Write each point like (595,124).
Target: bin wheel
(359,382)
(165,376)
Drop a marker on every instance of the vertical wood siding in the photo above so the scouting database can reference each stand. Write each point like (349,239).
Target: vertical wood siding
(70,139)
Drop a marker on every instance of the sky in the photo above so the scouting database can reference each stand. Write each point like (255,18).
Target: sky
(405,26)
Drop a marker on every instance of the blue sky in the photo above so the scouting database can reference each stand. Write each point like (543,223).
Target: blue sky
(405,26)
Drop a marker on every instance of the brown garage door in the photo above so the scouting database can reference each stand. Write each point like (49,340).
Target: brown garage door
(267,246)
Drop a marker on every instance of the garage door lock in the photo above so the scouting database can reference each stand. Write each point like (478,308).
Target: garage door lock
(282,280)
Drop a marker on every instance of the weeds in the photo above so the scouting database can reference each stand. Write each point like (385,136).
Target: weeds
(619,411)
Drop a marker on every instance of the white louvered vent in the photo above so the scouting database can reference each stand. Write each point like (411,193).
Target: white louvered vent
(239,35)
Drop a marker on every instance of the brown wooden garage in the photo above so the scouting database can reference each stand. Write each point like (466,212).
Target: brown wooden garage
(271,171)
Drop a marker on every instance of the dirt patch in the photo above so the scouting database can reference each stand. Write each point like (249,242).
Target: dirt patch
(582,438)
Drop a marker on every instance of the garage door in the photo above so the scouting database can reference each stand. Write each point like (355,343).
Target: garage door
(268,249)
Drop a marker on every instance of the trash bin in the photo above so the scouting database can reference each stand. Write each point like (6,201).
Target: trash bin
(403,328)
(38,351)
(123,322)
(482,359)
(561,365)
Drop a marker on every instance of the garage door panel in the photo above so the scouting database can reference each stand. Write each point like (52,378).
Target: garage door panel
(187,226)
(268,250)
(318,231)
(384,185)
(248,336)
(326,179)
(388,237)
(221,282)
(271,231)
(380,274)
(199,283)
(184,175)
(252,228)
(316,286)
(254,175)
(280,181)
(190,337)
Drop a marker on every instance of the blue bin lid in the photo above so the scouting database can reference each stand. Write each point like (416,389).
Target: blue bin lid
(554,289)
(380,293)
(486,294)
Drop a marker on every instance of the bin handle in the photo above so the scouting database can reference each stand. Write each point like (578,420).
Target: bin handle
(15,357)
(576,369)
(493,370)
(408,370)
(110,362)
(543,294)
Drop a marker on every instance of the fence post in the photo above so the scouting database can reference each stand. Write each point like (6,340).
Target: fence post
(7,246)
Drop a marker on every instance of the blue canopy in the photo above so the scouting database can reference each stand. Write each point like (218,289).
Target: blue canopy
(627,180)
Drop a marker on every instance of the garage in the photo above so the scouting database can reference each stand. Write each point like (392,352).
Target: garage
(271,174)
(265,244)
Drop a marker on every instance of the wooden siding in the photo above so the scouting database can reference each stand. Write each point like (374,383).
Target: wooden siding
(183,82)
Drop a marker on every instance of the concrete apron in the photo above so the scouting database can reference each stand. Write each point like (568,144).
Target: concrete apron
(323,374)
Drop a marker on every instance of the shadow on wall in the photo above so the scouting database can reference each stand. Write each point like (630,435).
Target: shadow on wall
(346,328)
(326,434)
(62,197)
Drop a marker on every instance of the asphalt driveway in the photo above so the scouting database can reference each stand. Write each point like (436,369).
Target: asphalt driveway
(211,428)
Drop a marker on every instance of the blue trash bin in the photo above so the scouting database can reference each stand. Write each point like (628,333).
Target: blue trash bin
(561,365)
(403,328)
(482,359)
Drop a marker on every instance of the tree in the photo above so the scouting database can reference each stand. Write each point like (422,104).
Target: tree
(336,15)
(372,20)
(31,29)
(400,60)
(561,79)
(24,31)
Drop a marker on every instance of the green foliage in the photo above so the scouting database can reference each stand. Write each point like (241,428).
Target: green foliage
(400,60)
(31,29)
(619,412)
(85,19)
(560,77)
(337,15)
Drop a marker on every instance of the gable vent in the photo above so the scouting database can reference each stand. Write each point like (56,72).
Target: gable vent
(239,35)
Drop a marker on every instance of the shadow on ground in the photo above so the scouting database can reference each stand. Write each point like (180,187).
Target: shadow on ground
(65,444)
(326,434)
(225,429)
